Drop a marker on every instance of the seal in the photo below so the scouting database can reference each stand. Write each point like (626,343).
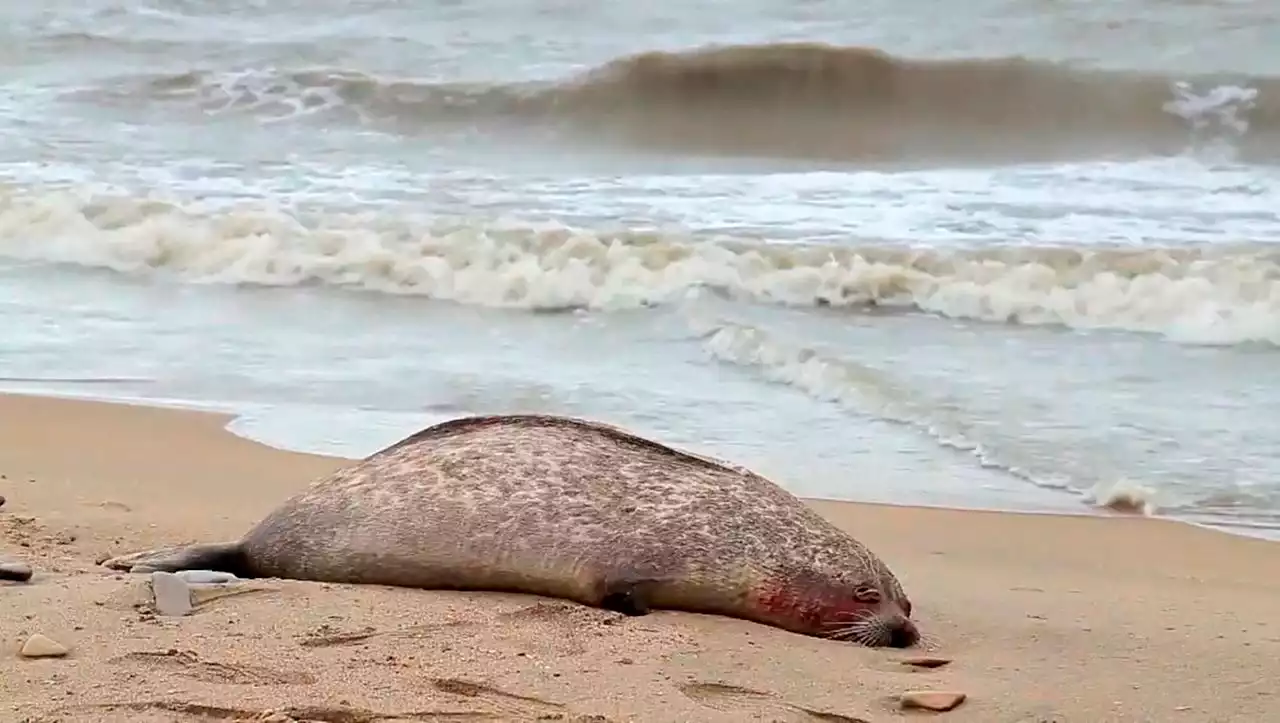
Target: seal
(573,509)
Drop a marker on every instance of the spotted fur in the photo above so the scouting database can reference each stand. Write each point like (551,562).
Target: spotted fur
(574,509)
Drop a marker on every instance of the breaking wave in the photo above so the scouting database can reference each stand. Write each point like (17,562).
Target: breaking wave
(802,100)
(1217,294)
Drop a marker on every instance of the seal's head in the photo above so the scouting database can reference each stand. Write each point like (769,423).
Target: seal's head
(869,610)
(874,618)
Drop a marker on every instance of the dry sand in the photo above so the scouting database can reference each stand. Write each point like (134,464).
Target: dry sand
(1047,618)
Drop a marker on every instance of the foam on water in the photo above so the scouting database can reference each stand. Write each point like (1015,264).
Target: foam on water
(1115,421)
(1222,294)
(314,371)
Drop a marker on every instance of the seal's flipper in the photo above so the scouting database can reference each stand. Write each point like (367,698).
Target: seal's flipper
(218,557)
(628,597)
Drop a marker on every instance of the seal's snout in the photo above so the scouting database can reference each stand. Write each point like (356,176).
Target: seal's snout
(904,634)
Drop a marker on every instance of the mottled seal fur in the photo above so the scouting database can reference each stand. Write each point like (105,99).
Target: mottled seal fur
(573,509)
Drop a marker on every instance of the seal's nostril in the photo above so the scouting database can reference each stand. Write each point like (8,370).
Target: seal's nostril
(904,636)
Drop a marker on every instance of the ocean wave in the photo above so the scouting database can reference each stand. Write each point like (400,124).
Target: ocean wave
(803,100)
(1217,294)
(885,392)
(880,393)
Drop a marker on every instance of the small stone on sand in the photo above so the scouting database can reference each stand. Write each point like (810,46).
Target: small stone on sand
(935,700)
(15,571)
(172,595)
(925,661)
(40,646)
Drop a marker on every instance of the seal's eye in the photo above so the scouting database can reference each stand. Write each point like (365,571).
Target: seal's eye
(866,594)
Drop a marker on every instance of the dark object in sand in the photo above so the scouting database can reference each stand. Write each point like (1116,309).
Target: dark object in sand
(15,571)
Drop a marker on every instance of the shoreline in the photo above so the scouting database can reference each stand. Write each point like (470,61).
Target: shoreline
(231,414)
(1044,616)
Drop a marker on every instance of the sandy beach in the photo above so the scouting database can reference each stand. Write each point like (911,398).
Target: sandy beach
(1045,618)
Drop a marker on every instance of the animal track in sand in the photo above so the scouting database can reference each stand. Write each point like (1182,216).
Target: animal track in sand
(311,714)
(326,636)
(735,698)
(570,613)
(189,664)
(504,703)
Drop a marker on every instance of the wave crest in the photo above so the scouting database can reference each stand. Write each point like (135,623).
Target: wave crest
(1208,295)
(803,100)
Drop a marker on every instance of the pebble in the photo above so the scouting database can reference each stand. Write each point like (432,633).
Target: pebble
(172,595)
(1,498)
(935,700)
(15,571)
(925,661)
(40,646)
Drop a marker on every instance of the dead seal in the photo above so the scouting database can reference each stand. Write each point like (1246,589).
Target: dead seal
(572,509)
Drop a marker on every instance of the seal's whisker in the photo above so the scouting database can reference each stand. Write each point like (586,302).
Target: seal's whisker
(870,630)
(866,619)
(860,637)
(873,638)
(849,625)
(929,641)
(839,627)
(854,615)
(847,631)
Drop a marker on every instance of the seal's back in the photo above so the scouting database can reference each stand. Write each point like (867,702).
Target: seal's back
(545,504)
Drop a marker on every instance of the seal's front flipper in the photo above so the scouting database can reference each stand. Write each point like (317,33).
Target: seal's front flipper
(218,557)
(629,597)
